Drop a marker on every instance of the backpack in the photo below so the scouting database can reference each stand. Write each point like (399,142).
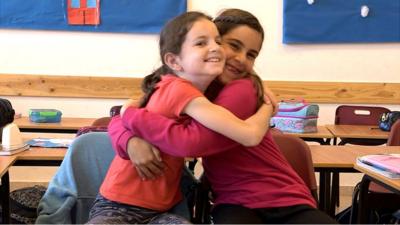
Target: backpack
(350,214)
(24,203)
(388,119)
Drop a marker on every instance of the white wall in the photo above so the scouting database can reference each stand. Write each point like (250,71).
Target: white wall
(134,55)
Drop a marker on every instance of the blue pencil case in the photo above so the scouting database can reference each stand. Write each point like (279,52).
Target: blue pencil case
(297,110)
(45,115)
(295,125)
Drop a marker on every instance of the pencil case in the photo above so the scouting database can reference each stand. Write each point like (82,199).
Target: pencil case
(295,125)
(45,115)
(297,109)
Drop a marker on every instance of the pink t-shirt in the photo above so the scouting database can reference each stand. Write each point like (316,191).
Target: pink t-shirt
(123,184)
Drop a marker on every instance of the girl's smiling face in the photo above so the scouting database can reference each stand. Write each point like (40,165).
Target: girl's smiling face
(201,57)
(242,45)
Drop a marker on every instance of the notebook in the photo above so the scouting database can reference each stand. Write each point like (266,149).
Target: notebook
(50,142)
(385,164)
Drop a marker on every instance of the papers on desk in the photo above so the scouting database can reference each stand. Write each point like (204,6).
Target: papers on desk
(11,150)
(387,165)
(50,142)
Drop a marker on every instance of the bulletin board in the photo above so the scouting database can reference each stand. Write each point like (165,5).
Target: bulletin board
(341,21)
(132,16)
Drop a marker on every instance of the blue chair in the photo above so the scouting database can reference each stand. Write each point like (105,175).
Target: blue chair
(73,189)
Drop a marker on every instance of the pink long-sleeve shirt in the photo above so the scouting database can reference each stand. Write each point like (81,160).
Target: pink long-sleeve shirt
(255,177)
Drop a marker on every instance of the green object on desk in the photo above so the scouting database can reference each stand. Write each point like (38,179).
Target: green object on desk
(45,115)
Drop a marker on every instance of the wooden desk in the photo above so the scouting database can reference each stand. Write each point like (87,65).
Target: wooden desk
(32,157)
(357,131)
(322,136)
(391,184)
(328,159)
(67,125)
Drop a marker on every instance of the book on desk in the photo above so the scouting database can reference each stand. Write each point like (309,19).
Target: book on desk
(50,142)
(11,150)
(387,165)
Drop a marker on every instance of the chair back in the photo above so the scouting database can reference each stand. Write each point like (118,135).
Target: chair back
(358,115)
(74,187)
(298,154)
(102,121)
(394,135)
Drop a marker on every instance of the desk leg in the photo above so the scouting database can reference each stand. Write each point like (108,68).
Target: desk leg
(327,141)
(324,190)
(334,193)
(362,203)
(5,198)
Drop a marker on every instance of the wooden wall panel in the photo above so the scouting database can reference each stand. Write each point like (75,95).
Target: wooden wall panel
(117,87)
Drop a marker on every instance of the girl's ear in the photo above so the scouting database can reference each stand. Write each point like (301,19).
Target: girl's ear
(172,61)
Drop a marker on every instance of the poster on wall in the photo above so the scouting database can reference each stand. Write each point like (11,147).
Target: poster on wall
(341,21)
(132,16)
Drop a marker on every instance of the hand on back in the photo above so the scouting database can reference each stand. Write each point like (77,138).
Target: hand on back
(146,158)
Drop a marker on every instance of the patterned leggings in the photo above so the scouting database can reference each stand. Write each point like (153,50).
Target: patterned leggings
(105,211)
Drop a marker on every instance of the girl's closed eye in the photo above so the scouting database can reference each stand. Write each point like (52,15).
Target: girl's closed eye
(234,46)
(252,56)
(218,40)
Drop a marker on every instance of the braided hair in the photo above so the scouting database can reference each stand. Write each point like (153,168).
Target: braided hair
(172,37)
(230,19)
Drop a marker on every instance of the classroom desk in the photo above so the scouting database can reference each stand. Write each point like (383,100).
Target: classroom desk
(369,175)
(357,131)
(323,136)
(329,159)
(33,157)
(67,125)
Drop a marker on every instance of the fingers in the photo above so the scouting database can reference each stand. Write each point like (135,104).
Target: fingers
(156,153)
(144,173)
(141,174)
(150,170)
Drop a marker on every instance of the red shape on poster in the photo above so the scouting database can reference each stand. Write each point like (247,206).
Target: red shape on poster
(80,12)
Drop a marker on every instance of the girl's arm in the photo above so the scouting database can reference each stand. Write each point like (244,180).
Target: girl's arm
(249,132)
(119,136)
(190,138)
(219,119)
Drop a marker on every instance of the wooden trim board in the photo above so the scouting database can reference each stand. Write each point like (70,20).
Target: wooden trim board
(122,87)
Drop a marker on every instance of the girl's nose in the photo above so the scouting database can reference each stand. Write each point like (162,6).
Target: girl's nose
(215,47)
(240,57)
